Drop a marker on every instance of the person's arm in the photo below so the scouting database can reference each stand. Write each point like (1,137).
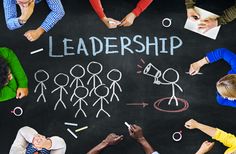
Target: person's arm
(228,15)
(111,139)
(24,136)
(227,139)
(9,91)
(136,132)
(58,145)
(10,11)
(205,147)
(225,102)
(141,6)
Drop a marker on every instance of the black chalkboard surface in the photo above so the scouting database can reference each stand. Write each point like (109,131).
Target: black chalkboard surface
(80,39)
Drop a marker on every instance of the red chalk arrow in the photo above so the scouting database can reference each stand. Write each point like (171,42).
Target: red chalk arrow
(138,104)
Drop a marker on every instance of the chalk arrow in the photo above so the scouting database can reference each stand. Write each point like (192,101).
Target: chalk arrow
(138,104)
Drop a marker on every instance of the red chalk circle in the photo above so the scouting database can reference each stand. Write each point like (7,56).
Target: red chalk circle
(159,101)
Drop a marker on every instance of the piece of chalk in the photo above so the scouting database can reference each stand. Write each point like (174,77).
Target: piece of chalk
(80,129)
(128,125)
(70,124)
(72,133)
(36,51)
(111,22)
(199,73)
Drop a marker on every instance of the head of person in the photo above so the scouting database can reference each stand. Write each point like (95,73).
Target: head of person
(39,141)
(24,3)
(5,74)
(226,86)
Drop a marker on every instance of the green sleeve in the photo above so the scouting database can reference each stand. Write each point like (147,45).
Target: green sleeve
(228,15)
(8,91)
(15,67)
(190,3)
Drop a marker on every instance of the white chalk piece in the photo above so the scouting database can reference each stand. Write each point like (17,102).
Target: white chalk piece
(70,124)
(80,129)
(73,134)
(17,109)
(177,136)
(199,73)
(128,125)
(36,51)
(111,22)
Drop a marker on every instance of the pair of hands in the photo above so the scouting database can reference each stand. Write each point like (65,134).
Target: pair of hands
(206,146)
(125,22)
(205,24)
(135,132)
(26,12)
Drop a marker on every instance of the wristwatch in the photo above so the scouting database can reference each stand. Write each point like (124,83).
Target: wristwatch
(22,22)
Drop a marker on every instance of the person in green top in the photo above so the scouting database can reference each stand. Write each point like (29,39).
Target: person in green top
(209,23)
(13,80)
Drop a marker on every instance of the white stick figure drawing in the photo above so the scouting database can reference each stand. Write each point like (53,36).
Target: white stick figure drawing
(80,95)
(41,83)
(94,72)
(61,87)
(114,83)
(152,71)
(77,77)
(102,98)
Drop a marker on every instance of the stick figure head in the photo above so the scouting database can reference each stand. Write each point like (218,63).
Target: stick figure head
(77,71)
(172,74)
(81,92)
(41,76)
(114,75)
(61,79)
(94,68)
(101,90)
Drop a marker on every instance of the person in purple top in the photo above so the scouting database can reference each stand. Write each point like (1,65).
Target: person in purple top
(226,86)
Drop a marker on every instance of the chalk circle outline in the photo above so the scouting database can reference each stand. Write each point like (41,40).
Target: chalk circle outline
(107,89)
(116,71)
(15,109)
(64,75)
(79,66)
(166,20)
(84,88)
(159,101)
(94,62)
(41,71)
(179,134)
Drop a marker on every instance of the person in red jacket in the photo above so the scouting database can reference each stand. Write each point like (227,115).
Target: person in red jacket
(126,21)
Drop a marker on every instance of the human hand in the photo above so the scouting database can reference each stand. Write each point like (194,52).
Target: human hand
(196,66)
(113,139)
(205,147)
(207,24)
(192,14)
(33,35)
(21,92)
(128,20)
(191,124)
(136,132)
(110,23)
(26,10)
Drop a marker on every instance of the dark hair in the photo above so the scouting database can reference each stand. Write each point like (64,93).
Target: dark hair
(4,71)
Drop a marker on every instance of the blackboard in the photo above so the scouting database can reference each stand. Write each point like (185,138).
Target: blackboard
(81,22)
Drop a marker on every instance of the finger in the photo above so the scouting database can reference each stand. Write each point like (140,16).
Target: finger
(123,23)
(18,94)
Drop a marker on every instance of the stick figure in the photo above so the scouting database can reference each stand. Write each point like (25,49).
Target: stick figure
(61,87)
(114,83)
(77,78)
(41,83)
(102,98)
(94,74)
(80,95)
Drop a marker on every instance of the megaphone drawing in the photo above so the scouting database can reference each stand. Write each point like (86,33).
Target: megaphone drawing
(152,71)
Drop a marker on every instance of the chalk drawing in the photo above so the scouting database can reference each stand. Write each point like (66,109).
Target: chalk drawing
(114,83)
(41,84)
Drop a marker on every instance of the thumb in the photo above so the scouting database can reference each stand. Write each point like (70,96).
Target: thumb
(18,95)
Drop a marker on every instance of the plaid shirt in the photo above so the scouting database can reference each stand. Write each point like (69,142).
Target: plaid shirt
(30,150)
(56,14)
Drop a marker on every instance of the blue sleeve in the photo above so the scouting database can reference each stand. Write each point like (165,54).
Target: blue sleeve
(225,102)
(225,54)
(11,14)
(56,14)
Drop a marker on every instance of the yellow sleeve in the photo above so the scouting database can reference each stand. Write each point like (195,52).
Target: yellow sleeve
(227,139)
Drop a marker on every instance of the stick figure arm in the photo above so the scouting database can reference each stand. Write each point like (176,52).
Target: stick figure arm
(44,87)
(106,100)
(64,90)
(35,89)
(85,102)
(96,102)
(99,79)
(179,87)
(119,87)
(89,80)
(55,90)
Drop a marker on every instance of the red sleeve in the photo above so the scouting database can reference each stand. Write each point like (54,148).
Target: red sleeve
(141,6)
(97,6)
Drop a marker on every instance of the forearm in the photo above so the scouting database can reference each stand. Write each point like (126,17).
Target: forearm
(141,6)
(228,15)
(211,131)
(190,3)
(97,6)
(146,146)
(97,149)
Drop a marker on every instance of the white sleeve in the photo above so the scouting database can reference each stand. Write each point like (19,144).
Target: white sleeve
(24,136)
(155,152)
(58,145)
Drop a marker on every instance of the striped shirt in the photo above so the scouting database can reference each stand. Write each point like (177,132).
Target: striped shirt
(12,20)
